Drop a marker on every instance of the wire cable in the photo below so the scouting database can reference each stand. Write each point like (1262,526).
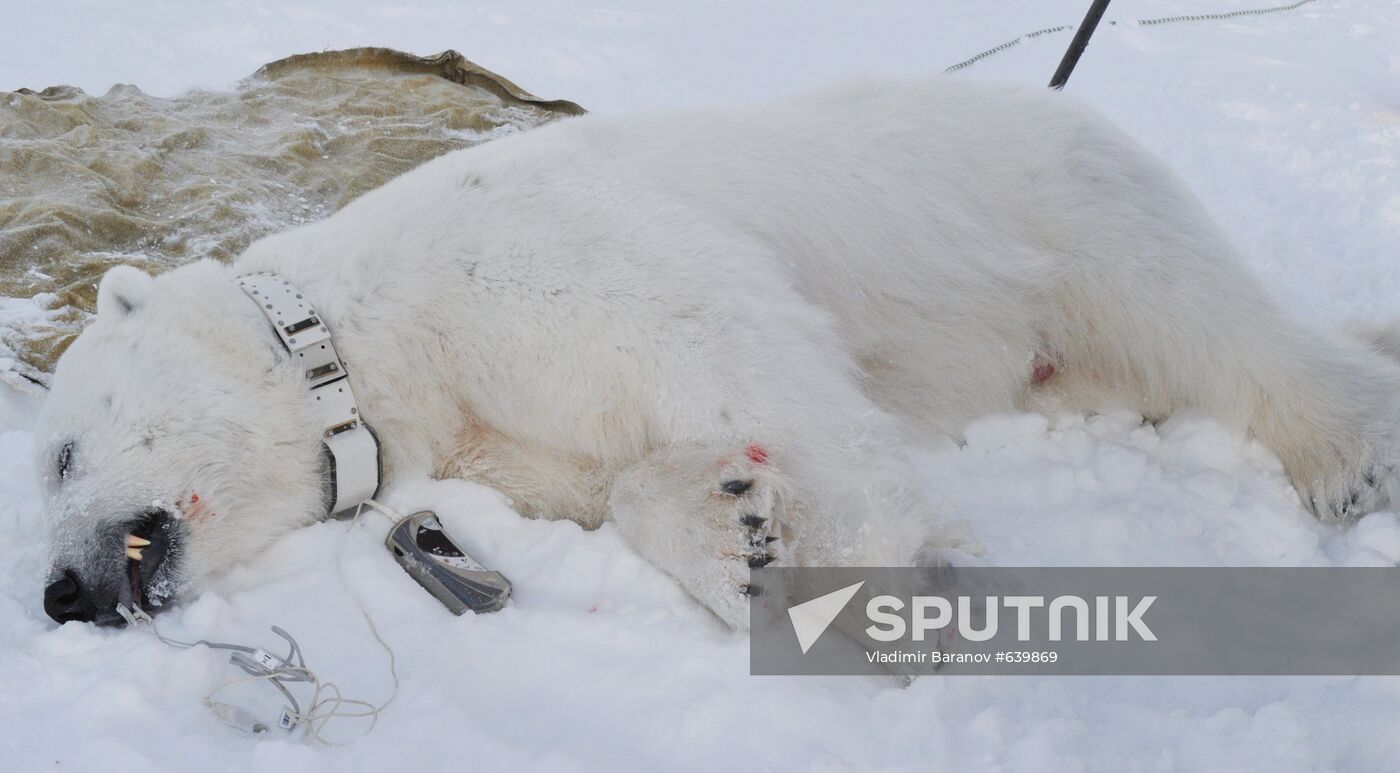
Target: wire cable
(327,701)
(1140,22)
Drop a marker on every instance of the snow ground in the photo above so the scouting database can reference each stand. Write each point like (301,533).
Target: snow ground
(1288,127)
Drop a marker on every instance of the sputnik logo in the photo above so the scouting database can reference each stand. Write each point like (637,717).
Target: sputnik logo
(810,619)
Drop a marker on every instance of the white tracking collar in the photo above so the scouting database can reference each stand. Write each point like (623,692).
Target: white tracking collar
(351,448)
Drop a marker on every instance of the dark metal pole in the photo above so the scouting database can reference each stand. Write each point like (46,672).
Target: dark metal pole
(1080,42)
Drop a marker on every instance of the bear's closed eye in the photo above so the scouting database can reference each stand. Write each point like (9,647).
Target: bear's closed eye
(64,461)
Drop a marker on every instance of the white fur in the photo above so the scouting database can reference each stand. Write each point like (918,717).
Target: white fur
(597,317)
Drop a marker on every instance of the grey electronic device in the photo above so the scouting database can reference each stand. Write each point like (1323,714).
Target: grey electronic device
(424,550)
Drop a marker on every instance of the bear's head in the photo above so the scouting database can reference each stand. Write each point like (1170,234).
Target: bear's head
(175,441)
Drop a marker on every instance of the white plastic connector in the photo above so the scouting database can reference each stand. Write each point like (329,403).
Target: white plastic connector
(268,660)
(238,717)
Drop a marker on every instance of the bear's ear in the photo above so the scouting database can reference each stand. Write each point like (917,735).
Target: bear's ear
(123,290)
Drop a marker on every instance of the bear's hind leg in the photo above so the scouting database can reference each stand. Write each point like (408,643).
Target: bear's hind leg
(1334,420)
(1204,337)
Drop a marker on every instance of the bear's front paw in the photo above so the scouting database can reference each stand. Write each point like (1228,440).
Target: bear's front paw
(747,527)
(709,517)
(756,533)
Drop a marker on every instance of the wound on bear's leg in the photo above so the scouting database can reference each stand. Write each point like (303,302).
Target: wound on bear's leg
(1042,369)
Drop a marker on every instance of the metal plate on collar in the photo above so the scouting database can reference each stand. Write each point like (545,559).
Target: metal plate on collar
(291,314)
(335,405)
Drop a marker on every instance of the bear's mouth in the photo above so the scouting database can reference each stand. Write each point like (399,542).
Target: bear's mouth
(132,596)
(150,548)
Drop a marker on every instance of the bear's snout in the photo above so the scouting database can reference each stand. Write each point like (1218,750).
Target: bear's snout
(66,599)
(125,564)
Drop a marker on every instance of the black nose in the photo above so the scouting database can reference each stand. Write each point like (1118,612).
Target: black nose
(65,599)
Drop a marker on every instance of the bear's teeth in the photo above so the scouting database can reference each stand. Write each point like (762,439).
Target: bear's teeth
(133,541)
(134,554)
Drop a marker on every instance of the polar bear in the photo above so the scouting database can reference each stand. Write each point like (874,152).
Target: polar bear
(717,330)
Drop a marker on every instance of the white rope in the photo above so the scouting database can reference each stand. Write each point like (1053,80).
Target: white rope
(336,701)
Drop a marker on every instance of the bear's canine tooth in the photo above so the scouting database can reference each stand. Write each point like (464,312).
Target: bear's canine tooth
(134,554)
(133,541)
